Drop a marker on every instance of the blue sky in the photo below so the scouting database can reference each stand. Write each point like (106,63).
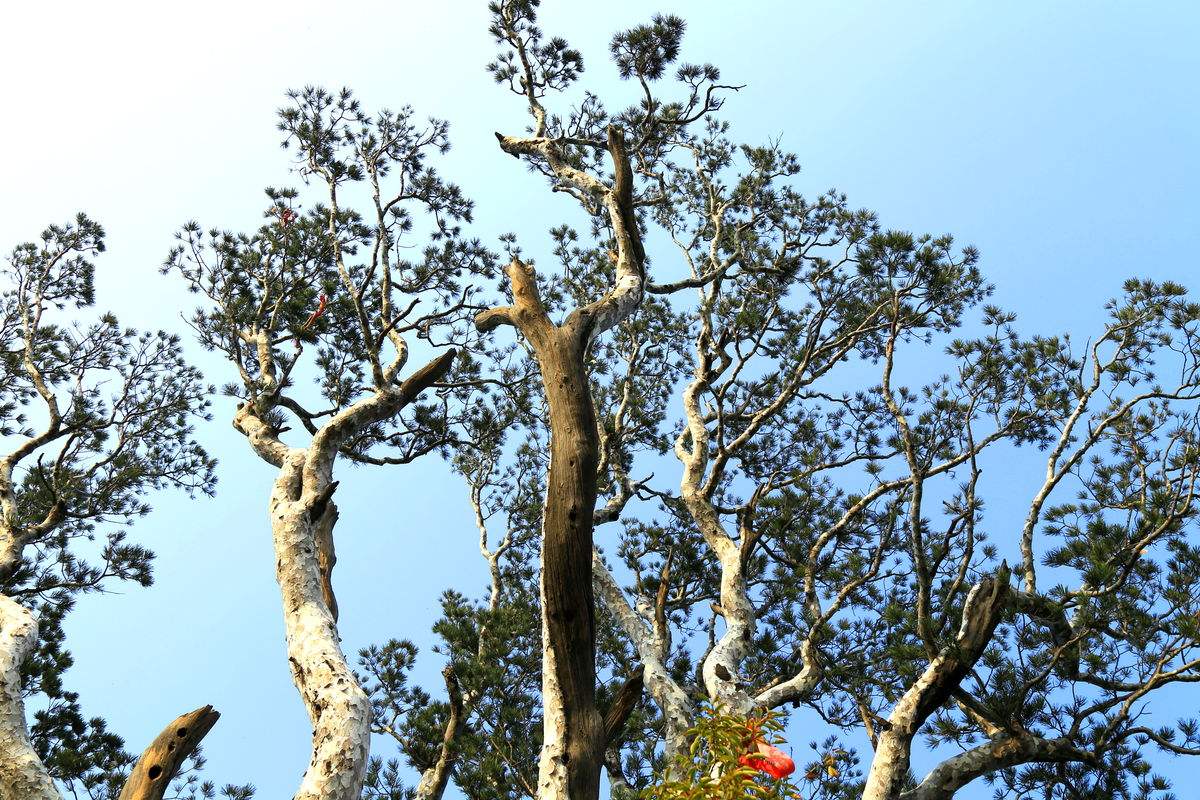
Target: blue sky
(1062,139)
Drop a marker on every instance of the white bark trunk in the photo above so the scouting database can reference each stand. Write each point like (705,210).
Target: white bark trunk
(720,668)
(799,685)
(302,515)
(337,706)
(21,772)
(944,781)
(668,695)
(890,764)
(552,762)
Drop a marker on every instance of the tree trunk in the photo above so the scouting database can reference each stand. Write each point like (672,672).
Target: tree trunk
(302,519)
(433,781)
(337,706)
(573,746)
(569,767)
(677,709)
(21,772)
(573,731)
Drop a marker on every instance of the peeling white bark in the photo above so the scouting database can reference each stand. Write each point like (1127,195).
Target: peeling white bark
(1005,751)
(552,761)
(337,706)
(668,695)
(302,515)
(621,301)
(799,685)
(893,749)
(21,772)
(721,666)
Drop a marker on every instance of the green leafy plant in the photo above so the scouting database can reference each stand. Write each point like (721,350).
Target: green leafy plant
(721,761)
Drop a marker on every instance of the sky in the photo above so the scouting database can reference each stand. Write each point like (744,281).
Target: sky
(1062,139)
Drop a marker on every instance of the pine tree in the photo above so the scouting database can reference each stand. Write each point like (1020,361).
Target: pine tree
(96,418)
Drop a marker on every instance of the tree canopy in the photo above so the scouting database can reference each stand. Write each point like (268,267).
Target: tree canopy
(731,449)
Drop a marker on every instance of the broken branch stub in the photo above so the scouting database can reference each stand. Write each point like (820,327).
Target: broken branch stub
(161,760)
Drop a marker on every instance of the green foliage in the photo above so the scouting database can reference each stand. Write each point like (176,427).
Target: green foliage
(646,50)
(96,417)
(551,64)
(848,388)
(715,766)
(853,387)
(328,285)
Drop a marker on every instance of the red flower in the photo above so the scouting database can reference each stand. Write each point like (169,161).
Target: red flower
(769,759)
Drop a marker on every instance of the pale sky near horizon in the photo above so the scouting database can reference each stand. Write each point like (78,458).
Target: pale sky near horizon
(1063,139)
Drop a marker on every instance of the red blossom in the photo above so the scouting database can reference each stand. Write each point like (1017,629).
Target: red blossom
(769,759)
